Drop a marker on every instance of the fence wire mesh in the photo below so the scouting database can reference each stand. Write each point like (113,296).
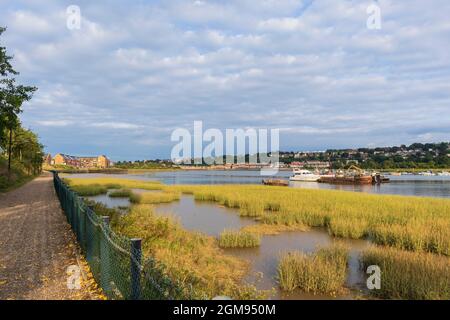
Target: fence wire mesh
(116,261)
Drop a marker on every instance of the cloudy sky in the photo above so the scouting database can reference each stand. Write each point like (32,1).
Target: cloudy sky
(136,70)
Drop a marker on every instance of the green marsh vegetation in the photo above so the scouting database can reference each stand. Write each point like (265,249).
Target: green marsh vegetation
(414,230)
(409,275)
(238,239)
(409,223)
(323,272)
(191,258)
(155,198)
(120,193)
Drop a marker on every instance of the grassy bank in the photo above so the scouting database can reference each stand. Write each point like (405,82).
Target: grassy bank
(410,223)
(410,275)
(15,179)
(191,258)
(116,183)
(238,239)
(323,272)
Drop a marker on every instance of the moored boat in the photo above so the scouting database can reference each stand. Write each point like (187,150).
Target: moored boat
(275,182)
(353,175)
(356,179)
(304,175)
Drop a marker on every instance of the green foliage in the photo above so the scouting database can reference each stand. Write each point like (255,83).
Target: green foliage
(16,143)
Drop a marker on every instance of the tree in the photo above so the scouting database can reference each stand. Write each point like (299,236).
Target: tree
(12,96)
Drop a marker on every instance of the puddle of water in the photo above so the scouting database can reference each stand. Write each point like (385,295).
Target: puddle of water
(265,259)
(212,219)
(208,218)
(113,202)
(110,202)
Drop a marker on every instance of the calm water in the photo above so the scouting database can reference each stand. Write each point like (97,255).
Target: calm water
(410,185)
(211,219)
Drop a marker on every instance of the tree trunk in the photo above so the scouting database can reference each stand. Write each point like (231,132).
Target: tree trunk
(9,152)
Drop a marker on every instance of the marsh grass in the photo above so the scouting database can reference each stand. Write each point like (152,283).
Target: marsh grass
(238,239)
(115,183)
(154,198)
(409,275)
(193,259)
(89,190)
(323,272)
(271,229)
(120,193)
(409,223)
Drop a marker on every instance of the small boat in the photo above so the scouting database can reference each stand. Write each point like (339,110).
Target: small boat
(357,179)
(275,182)
(378,178)
(353,175)
(304,175)
(444,174)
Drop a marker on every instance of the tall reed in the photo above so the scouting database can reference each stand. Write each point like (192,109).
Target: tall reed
(409,275)
(322,272)
(238,239)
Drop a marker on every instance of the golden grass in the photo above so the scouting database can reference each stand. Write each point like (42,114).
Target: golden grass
(272,229)
(410,223)
(238,239)
(191,258)
(120,183)
(409,275)
(323,272)
(89,190)
(154,198)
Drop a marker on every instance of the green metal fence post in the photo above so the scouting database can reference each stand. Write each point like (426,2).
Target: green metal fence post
(136,256)
(105,263)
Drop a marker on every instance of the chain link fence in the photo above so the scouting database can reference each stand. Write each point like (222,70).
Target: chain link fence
(115,261)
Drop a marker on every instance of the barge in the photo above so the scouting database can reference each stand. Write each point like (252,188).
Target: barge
(275,182)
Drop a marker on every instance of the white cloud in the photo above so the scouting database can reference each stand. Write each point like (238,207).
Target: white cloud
(137,70)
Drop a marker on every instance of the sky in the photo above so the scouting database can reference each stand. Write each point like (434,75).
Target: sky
(136,70)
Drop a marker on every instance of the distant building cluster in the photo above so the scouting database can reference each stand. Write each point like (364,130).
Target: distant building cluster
(101,161)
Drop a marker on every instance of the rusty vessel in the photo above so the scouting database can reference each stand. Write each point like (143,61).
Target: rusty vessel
(275,182)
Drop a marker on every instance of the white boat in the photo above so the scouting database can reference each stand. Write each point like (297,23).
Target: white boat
(304,175)
(444,174)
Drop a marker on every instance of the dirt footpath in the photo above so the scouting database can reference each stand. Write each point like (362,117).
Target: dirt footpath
(37,246)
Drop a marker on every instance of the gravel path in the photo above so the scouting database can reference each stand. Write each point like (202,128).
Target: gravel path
(37,245)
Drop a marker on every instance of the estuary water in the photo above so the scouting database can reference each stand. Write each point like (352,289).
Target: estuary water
(408,185)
